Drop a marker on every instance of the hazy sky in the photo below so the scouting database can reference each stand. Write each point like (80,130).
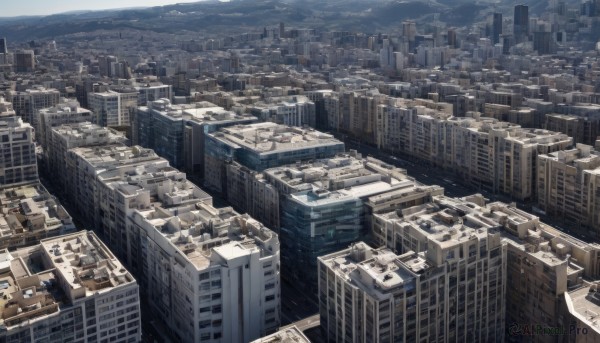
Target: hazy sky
(10,8)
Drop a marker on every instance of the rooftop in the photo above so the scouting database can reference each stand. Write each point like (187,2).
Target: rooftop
(209,236)
(38,281)
(30,211)
(287,335)
(271,138)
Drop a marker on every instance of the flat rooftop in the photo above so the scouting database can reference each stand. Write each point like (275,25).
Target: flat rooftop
(38,281)
(206,235)
(30,210)
(271,138)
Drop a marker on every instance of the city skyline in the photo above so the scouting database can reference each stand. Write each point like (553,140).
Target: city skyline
(290,171)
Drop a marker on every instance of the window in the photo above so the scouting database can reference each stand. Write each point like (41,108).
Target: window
(216,309)
(204,324)
(204,276)
(216,296)
(269,298)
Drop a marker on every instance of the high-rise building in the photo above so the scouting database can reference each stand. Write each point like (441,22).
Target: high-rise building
(521,23)
(496,27)
(568,186)
(153,91)
(209,274)
(543,42)
(27,103)
(63,138)
(28,214)
(493,155)
(18,164)
(24,61)
(113,109)
(296,110)
(69,288)
(375,295)
(67,111)
(260,146)
(458,270)
(177,132)
(322,206)
(3,46)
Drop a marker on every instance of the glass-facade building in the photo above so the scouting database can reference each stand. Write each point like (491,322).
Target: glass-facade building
(314,225)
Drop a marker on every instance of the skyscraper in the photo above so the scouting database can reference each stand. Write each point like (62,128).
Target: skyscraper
(521,23)
(496,27)
(3,46)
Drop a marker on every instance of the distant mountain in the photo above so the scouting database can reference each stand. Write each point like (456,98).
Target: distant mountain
(352,15)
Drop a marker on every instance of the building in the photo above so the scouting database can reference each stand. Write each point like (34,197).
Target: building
(322,206)
(177,132)
(567,187)
(496,27)
(260,146)
(113,109)
(27,103)
(530,267)
(292,111)
(24,61)
(69,136)
(375,295)
(290,334)
(209,274)
(583,129)
(67,111)
(3,46)
(153,91)
(521,23)
(191,258)
(29,214)
(69,288)
(580,307)
(18,164)
(493,155)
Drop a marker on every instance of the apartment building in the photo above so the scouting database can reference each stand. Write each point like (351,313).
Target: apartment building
(67,111)
(295,110)
(29,214)
(260,146)
(567,186)
(534,264)
(28,102)
(322,206)
(18,164)
(68,288)
(177,132)
(210,274)
(69,136)
(583,129)
(355,112)
(493,155)
(112,108)
(375,295)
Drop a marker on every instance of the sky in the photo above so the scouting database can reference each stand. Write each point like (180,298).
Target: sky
(12,8)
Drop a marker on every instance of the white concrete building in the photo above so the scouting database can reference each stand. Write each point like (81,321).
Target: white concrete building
(18,164)
(67,111)
(113,109)
(69,288)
